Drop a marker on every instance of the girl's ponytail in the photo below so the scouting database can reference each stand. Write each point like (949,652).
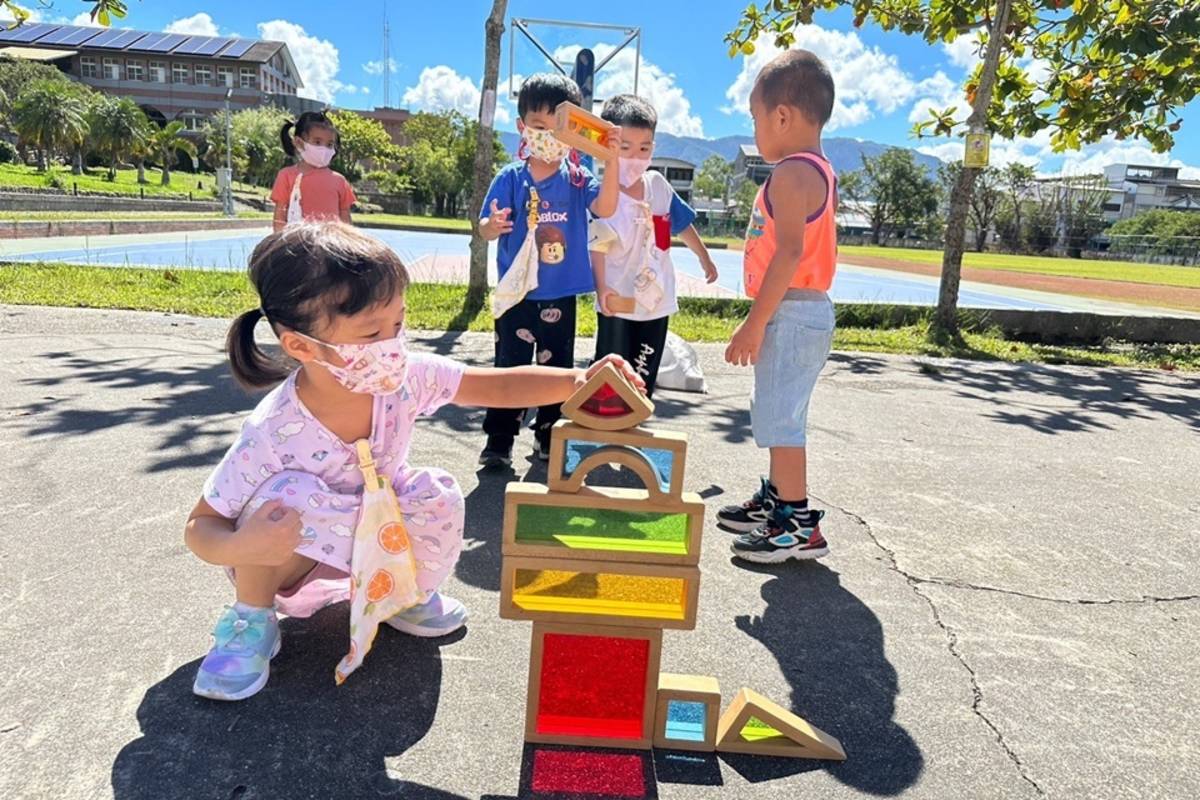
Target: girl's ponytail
(252,368)
(285,138)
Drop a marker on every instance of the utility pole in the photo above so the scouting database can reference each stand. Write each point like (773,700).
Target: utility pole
(228,155)
(387,60)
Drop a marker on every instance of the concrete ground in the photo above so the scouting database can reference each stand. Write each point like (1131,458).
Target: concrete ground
(1009,609)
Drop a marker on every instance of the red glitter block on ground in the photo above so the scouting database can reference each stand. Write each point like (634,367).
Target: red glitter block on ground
(586,772)
(592,685)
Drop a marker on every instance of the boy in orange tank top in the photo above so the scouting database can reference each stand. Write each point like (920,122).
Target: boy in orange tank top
(790,258)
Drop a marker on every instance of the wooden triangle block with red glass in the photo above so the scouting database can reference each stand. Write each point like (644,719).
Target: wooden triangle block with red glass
(607,402)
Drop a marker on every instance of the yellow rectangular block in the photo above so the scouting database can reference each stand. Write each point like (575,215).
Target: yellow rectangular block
(599,592)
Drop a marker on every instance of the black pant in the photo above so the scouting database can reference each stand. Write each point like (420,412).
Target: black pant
(541,328)
(641,342)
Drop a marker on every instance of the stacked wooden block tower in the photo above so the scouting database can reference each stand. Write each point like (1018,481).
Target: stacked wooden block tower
(601,572)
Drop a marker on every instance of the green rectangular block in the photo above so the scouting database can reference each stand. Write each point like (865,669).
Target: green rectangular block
(603,529)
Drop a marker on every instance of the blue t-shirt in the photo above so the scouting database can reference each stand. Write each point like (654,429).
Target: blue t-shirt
(564,267)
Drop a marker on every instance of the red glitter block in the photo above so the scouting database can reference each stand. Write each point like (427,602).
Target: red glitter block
(593,685)
(585,772)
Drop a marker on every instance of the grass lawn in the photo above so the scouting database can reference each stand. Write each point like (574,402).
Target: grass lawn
(96,180)
(117,216)
(437,307)
(411,220)
(1156,274)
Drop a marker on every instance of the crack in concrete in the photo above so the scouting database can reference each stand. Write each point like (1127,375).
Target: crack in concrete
(952,643)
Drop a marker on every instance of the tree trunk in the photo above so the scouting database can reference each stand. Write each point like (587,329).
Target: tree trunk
(41,160)
(493,32)
(980,239)
(77,162)
(946,319)
(141,167)
(166,173)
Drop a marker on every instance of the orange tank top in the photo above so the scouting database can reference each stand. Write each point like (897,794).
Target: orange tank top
(817,264)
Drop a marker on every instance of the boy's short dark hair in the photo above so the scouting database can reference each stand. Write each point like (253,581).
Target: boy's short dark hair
(544,91)
(800,79)
(629,111)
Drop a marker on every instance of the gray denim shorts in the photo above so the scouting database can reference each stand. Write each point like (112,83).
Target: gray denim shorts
(794,350)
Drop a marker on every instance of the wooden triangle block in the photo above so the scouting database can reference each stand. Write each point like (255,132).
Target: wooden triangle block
(607,402)
(773,731)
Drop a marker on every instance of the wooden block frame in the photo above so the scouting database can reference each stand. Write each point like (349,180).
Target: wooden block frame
(642,438)
(640,405)
(619,304)
(570,119)
(536,652)
(510,610)
(691,689)
(601,497)
(802,739)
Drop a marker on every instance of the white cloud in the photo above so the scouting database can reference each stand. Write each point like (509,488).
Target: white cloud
(197,25)
(376,67)
(963,52)
(937,93)
(316,59)
(441,88)
(84,18)
(868,80)
(655,84)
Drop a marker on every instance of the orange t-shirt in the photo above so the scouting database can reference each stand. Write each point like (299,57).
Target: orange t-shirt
(324,194)
(816,266)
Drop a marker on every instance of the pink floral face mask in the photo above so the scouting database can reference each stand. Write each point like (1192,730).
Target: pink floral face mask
(373,368)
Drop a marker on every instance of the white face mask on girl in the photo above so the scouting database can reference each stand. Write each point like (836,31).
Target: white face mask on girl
(632,169)
(543,145)
(317,155)
(373,368)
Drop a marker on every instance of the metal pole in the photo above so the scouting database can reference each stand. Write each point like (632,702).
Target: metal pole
(228,157)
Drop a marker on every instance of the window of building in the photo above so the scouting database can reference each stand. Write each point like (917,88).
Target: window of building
(135,71)
(203,75)
(112,70)
(192,120)
(179,73)
(87,67)
(224,76)
(678,174)
(248,78)
(158,72)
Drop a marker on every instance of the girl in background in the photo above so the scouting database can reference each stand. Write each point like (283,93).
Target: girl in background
(309,190)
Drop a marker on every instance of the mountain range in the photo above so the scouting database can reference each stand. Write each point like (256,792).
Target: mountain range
(845,154)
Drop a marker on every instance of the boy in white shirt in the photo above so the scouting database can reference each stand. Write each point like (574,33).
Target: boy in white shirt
(631,250)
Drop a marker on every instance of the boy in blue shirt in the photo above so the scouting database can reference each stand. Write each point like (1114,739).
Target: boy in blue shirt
(541,326)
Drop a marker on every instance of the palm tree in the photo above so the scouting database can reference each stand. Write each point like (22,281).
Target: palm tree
(165,142)
(50,116)
(120,128)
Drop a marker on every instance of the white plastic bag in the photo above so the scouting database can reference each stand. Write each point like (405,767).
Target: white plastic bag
(680,368)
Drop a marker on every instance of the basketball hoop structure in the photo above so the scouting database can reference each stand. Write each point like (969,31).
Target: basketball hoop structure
(633,35)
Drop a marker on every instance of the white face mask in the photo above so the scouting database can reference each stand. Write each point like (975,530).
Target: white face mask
(316,155)
(632,169)
(543,145)
(373,368)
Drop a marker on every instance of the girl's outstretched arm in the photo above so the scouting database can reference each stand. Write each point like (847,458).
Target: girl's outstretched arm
(522,387)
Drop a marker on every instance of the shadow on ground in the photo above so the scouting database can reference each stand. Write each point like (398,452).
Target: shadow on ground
(1054,400)
(302,736)
(830,648)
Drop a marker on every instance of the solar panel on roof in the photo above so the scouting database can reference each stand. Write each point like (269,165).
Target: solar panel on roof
(193,44)
(150,41)
(238,48)
(73,36)
(103,39)
(166,44)
(128,39)
(27,33)
(64,32)
(213,46)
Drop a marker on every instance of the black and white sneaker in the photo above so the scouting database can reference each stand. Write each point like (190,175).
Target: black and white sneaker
(790,534)
(541,448)
(497,452)
(750,515)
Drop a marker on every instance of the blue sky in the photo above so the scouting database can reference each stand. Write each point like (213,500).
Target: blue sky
(884,79)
